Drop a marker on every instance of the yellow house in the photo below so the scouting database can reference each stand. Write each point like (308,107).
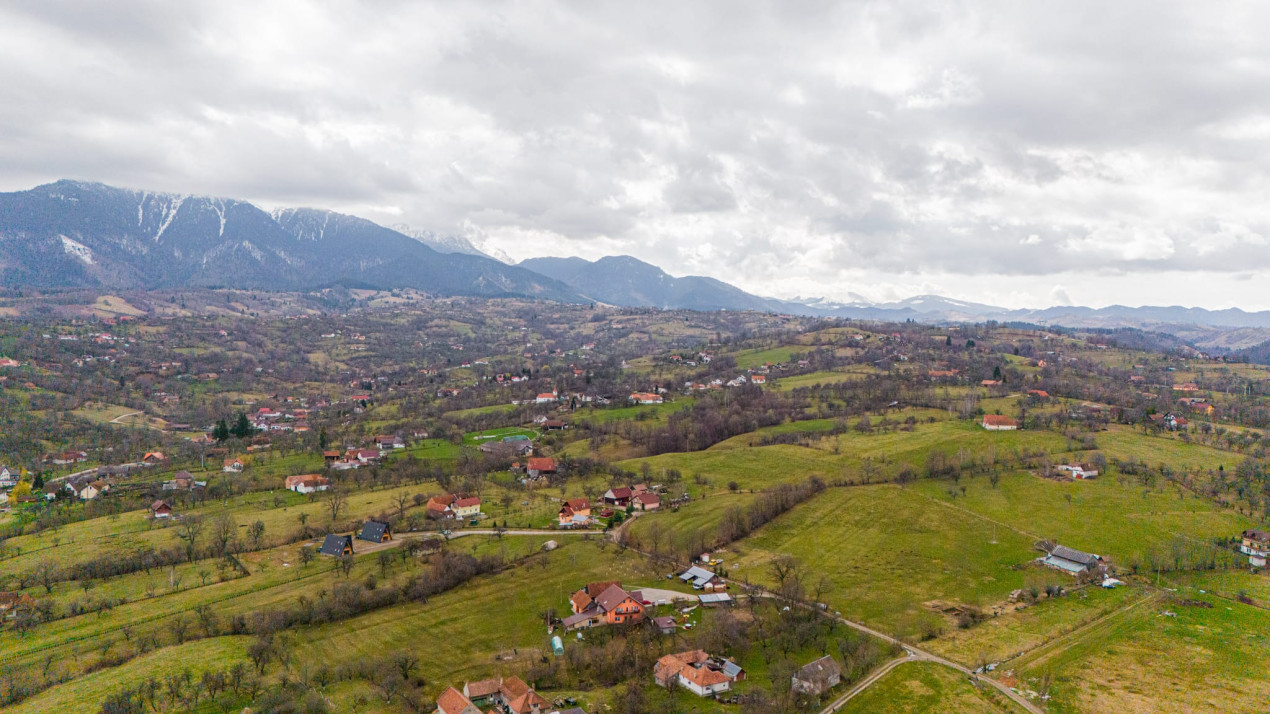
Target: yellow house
(466,507)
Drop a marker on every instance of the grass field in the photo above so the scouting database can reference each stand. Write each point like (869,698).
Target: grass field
(887,550)
(928,687)
(1124,522)
(1197,659)
(811,379)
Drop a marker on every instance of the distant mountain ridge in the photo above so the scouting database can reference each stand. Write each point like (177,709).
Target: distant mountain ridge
(629,282)
(76,234)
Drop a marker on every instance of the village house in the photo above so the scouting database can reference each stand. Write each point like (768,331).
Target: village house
(604,603)
(438,507)
(697,672)
(1071,560)
(546,397)
(307,483)
(1169,421)
(375,532)
(233,466)
(647,502)
(816,678)
(8,477)
(337,545)
(452,701)
(997,422)
(181,481)
(506,694)
(1079,472)
(160,509)
(575,512)
(1256,545)
(466,507)
(386,443)
(540,466)
(645,398)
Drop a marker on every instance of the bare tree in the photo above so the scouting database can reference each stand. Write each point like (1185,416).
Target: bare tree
(335,503)
(189,531)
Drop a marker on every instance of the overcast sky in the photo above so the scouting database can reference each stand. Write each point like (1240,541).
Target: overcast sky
(1018,153)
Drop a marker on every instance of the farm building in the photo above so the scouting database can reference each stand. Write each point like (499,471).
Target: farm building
(337,545)
(715,599)
(160,509)
(375,532)
(817,677)
(1071,560)
(701,579)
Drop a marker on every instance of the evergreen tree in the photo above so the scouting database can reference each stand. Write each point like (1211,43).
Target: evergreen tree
(322,439)
(38,482)
(220,432)
(242,428)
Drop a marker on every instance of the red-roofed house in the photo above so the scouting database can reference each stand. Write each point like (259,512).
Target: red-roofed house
(539,465)
(604,603)
(645,398)
(647,502)
(997,422)
(452,701)
(697,672)
(307,483)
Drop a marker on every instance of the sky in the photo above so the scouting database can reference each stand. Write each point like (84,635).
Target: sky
(1016,153)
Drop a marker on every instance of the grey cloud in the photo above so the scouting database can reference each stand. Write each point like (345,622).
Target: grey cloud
(909,138)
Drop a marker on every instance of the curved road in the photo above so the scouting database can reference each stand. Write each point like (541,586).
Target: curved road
(914,654)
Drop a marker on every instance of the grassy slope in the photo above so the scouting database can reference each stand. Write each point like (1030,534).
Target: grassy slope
(926,687)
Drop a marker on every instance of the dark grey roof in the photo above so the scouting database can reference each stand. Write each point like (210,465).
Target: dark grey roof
(373,531)
(334,544)
(1076,556)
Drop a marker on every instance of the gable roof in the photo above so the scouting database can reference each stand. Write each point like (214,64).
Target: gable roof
(622,492)
(698,576)
(1076,556)
(452,701)
(542,463)
(612,597)
(513,687)
(481,688)
(819,670)
(373,531)
(999,420)
(334,544)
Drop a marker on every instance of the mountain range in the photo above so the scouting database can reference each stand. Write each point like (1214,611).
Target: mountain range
(76,234)
(72,234)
